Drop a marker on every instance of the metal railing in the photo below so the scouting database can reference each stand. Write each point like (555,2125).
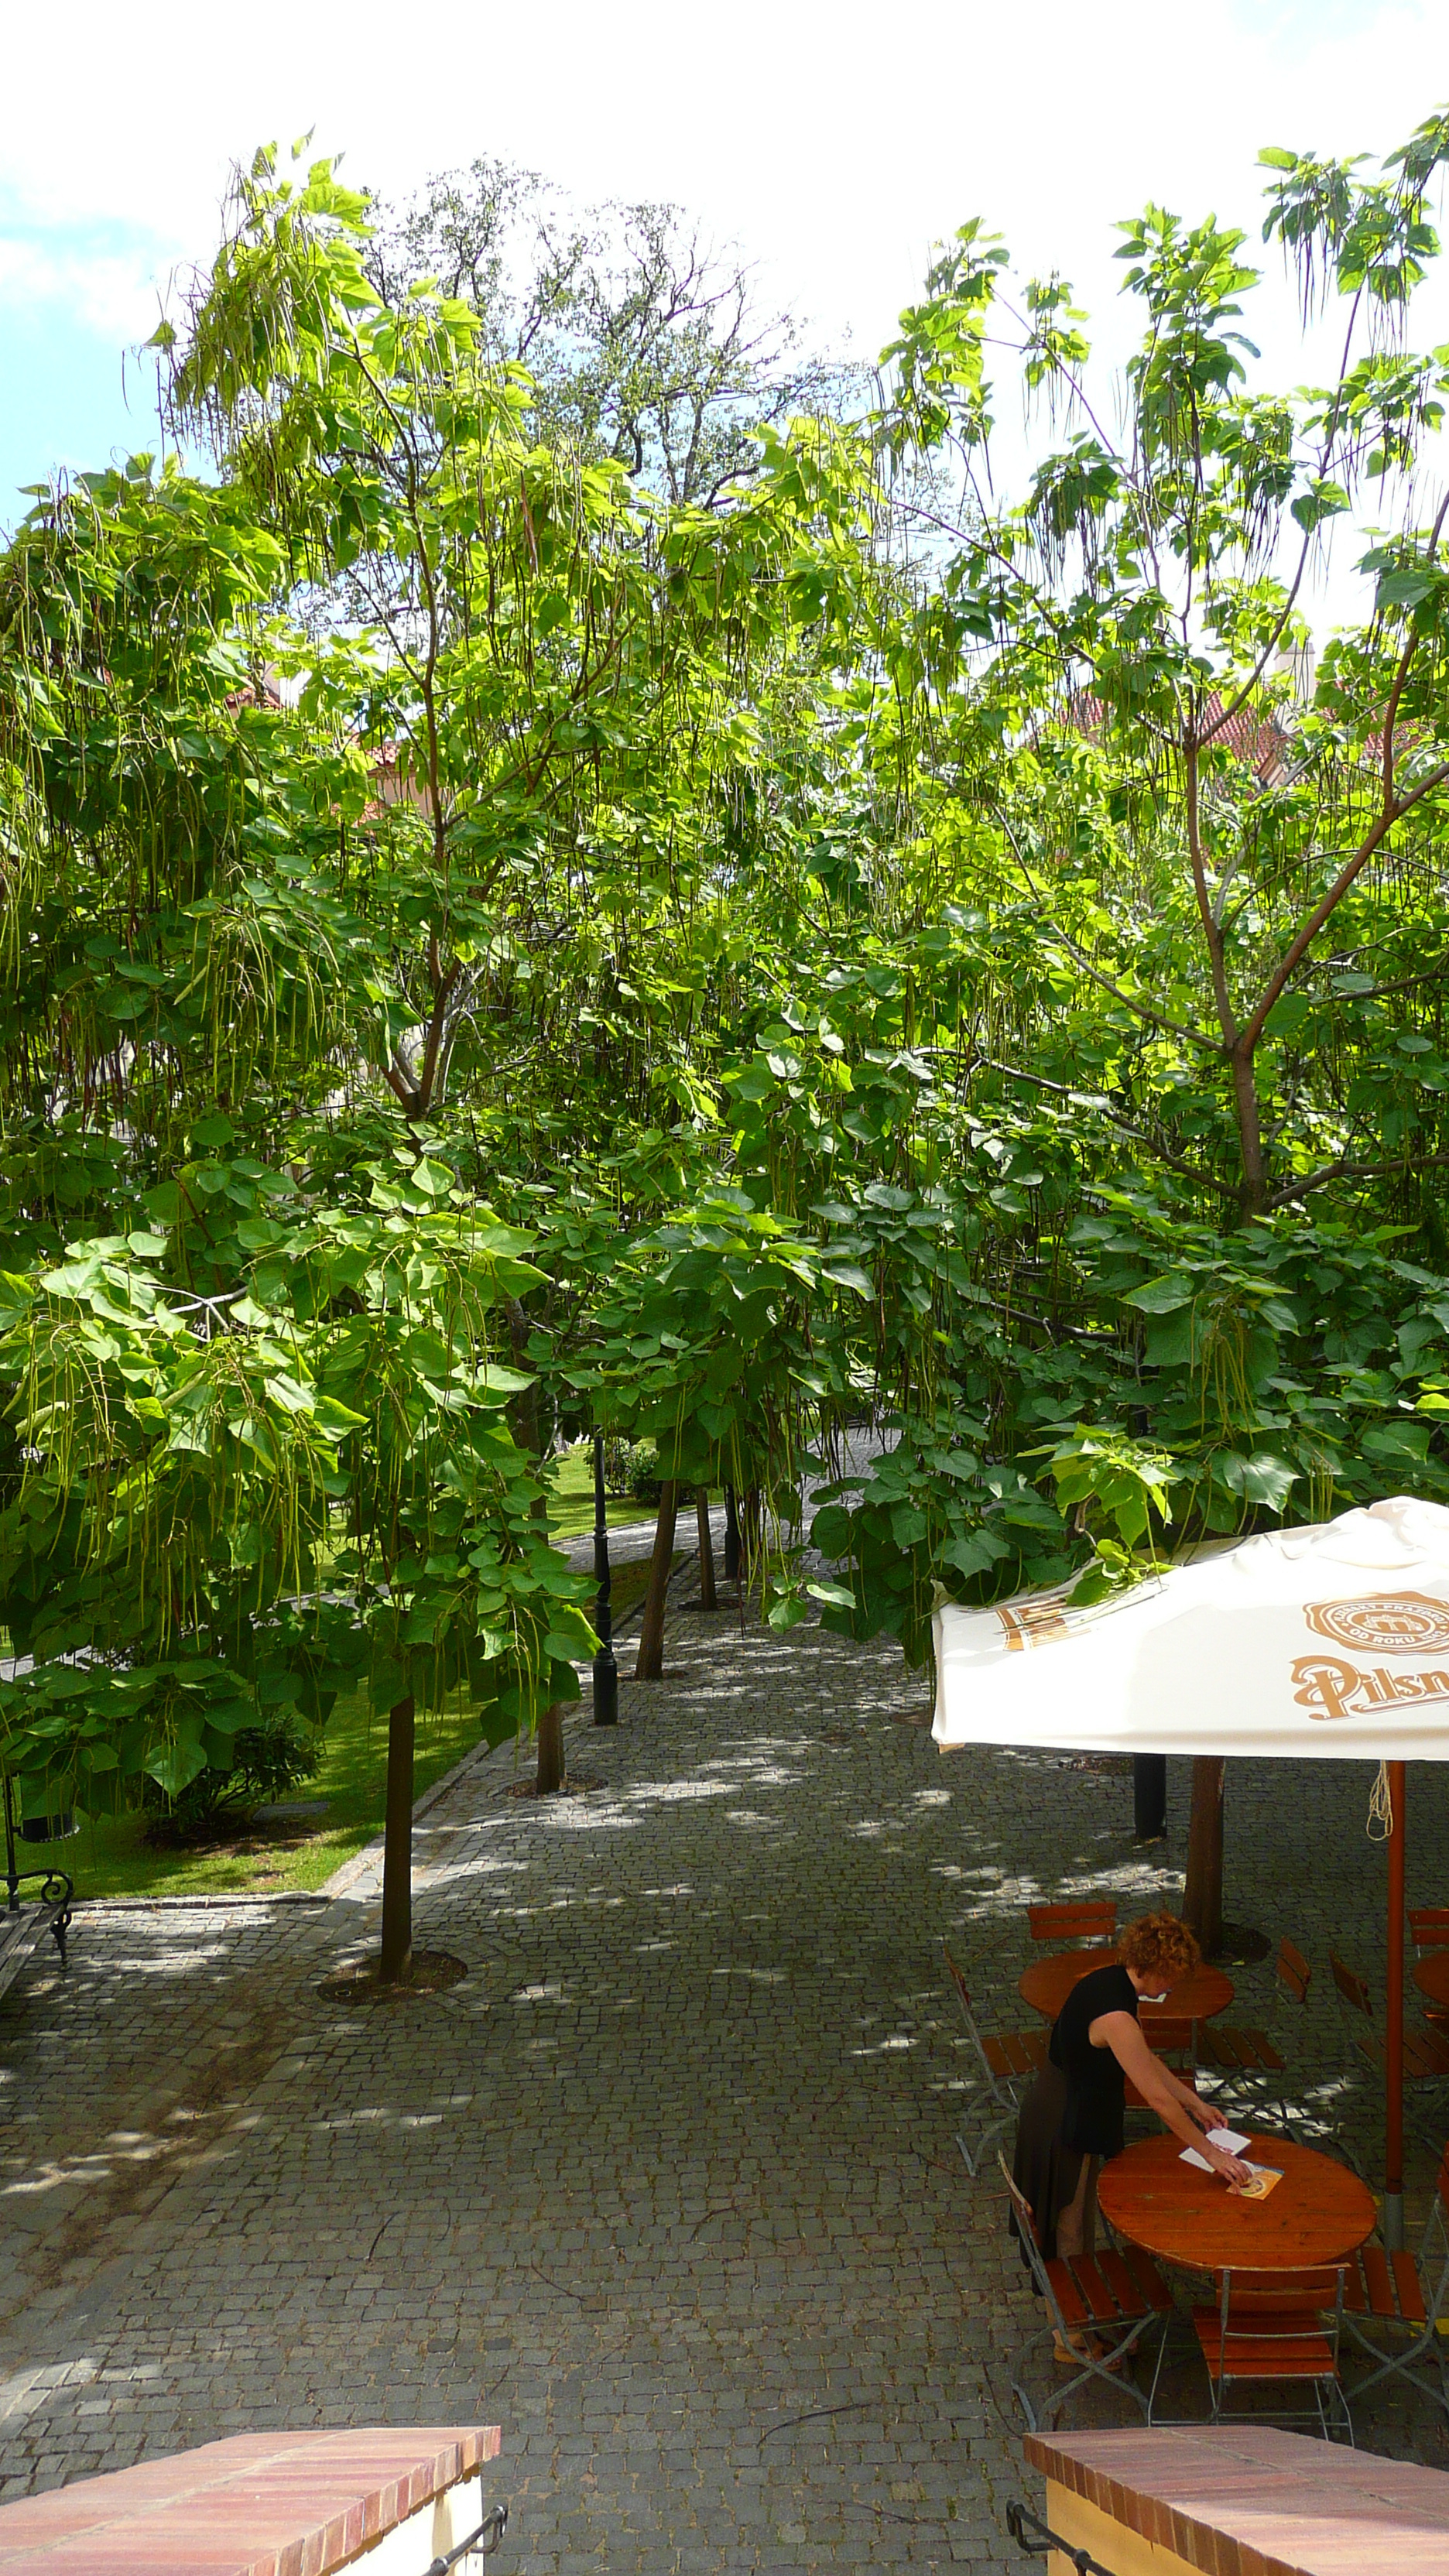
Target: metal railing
(487,2538)
(1017,2521)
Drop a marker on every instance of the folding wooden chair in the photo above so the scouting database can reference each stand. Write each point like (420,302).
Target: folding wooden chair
(1429,1931)
(1406,2294)
(1269,2329)
(1248,2060)
(1118,2296)
(1426,2053)
(1008,2060)
(1086,1923)
(1174,2040)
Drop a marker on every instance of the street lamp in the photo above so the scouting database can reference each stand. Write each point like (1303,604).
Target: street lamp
(606,1671)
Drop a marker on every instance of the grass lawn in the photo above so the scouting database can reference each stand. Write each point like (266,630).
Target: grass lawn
(110,1855)
(571,1510)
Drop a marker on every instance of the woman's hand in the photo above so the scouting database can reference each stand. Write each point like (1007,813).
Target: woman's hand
(1232,2168)
(1206,2114)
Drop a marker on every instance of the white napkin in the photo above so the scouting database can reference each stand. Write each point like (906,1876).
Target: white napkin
(1227,2139)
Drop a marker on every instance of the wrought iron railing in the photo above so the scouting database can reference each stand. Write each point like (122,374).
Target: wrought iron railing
(1018,2520)
(487,2538)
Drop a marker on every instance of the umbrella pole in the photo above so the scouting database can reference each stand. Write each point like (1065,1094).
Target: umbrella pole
(1394,2048)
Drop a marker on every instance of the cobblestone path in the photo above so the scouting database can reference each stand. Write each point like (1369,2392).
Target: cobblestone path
(667,2186)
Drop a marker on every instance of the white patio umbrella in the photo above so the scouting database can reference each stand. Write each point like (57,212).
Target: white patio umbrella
(1327,1643)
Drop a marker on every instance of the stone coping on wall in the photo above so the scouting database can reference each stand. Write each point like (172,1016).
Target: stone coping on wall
(259,2504)
(1252,2501)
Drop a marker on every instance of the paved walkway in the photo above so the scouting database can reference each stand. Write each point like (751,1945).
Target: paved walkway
(666,2186)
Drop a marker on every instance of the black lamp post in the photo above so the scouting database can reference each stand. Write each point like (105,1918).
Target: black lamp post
(606,1671)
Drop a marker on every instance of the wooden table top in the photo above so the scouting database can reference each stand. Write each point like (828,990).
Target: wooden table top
(1319,2212)
(1046,1984)
(1431,1976)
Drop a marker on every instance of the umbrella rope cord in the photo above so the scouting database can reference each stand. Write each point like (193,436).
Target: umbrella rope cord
(1380,1822)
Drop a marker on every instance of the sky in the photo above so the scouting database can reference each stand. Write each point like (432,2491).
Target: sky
(831,142)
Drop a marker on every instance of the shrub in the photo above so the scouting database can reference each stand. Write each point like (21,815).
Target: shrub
(268,1761)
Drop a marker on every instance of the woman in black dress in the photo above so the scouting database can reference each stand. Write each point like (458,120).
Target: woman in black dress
(1071,2120)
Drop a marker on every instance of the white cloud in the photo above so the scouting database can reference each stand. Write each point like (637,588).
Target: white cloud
(112,294)
(833,139)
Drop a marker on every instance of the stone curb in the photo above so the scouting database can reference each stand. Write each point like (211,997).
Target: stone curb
(199,1904)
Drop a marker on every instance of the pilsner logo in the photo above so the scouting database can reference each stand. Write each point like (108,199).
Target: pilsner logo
(1387,1623)
(1025,1621)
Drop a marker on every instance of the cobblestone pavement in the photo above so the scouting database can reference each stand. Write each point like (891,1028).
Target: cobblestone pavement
(667,2185)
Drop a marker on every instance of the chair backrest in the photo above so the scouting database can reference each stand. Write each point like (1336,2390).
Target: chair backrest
(973,2027)
(1429,1927)
(1263,2311)
(1166,2030)
(1025,2214)
(1351,1987)
(957,1977)
(1316,2286)
(1090,1919)
(1294,1972)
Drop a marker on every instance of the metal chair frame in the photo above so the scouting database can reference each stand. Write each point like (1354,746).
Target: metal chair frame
(1008,2059)
(1267,2328)
(1115,2295)
(1408,2292)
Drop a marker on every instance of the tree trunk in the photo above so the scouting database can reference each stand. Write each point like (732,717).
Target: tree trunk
(707,1596)
(397,1849)
(1202,1901)
(732,1537)
(551,1772)
(650,1665)
(1253,1187)
(1149,1797)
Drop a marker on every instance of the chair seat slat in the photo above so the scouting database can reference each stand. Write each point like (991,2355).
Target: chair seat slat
(1297,2347)
(1149,2280)
(1068,2297)
(1103,2304)
(1125,2288)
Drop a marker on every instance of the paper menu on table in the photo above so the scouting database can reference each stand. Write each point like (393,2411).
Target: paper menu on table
(1227,2139)
(1263,2180)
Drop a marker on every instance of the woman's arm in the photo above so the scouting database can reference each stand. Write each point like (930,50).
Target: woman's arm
(1160,2090)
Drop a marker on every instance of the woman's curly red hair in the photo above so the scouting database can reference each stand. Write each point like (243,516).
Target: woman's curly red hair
(1158,1945)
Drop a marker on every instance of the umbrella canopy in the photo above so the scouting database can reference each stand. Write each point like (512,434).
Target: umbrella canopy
(1325,1643)
(1328,1643)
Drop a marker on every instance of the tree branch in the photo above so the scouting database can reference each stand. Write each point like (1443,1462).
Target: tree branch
(1298,948)
(1141,1010)
(1354,1172)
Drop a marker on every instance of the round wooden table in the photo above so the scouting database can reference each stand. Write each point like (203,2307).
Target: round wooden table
(1431,1976)
(1318,2213)
(1046,1984)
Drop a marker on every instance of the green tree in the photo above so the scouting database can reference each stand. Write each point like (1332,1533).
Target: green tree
(643,345)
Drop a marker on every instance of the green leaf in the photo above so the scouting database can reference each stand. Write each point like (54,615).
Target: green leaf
(1161,1296)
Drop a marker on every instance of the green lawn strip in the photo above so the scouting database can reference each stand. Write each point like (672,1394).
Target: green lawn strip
(571,1502)
(110,1855)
